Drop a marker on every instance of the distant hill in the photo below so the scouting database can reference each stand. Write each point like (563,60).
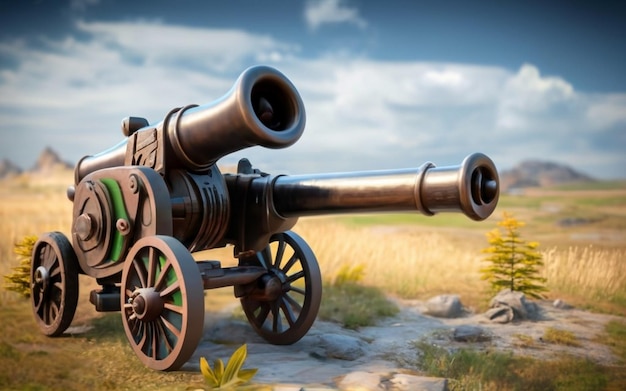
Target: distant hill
(536,173)
(48,162)
(8,169)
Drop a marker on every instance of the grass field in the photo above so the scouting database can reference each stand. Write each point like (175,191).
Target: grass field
(581,230)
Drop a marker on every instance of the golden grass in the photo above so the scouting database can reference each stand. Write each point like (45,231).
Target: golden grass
(415,263)
(596,275)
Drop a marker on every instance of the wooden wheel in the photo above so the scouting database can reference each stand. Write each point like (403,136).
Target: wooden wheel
(162,301)
(291,290)
(53,283)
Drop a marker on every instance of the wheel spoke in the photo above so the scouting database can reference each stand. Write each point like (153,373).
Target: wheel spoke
(295,277)
(48,257)
(153,259)
(174,308)
(163,335)
(276,322)
(162,274)
(154,340)
(290,263)
(263,313)
(140,270)
(54,271)
(37,300)
(144,337)
(293,303)
(287,310)
(265,257)
(45,313)
(297,290)
(54,311)
(280,251)
(170,327)
(170,289)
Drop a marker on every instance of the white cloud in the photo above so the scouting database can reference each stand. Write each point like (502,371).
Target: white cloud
(361,113)
(319,12)
(607,111)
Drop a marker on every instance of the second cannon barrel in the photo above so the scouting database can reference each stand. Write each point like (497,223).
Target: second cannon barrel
(471,188)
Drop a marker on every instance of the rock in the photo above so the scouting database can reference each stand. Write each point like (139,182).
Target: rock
(468,333)
(500,314)
(230,331)
(560,304)
(342,347)
(508,306)
(360,381)
(403,382)
(444,306)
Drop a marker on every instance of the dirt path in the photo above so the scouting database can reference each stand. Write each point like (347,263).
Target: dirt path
(329,353)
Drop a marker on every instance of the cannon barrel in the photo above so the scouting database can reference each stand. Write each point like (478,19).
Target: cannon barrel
(262,108)
(471,188)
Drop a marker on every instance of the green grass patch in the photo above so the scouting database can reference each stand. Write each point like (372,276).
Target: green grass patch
(595,185)
(615,337)
(492,370)
(354,305)
(560,337)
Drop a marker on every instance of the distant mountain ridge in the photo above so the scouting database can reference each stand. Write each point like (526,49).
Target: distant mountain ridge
(8,169)
(538,173)
(49,161)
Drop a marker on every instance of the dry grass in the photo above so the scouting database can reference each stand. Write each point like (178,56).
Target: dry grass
(595,274)
(403,262)
(412,262)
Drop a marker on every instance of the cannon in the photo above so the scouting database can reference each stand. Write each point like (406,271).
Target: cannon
(143,207)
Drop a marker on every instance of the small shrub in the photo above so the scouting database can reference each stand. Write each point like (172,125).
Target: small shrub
(513,263)
(229,377)
(19,280)
(355,306)
(349,274)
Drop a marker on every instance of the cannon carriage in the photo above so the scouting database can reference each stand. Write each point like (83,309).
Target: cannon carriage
(141,208)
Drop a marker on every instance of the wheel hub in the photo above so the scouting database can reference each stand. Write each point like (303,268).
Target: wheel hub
(42,278)
(147,304)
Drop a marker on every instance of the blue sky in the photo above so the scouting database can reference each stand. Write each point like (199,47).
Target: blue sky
(386,84)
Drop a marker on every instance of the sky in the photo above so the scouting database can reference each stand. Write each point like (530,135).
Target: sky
(385,84)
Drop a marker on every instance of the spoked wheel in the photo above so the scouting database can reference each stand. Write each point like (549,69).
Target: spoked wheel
(162,301)
(53,283)
(286,300)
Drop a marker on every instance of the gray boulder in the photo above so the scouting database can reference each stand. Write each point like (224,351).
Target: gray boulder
(444,306)
(469,333)
(508,306)
(342,347)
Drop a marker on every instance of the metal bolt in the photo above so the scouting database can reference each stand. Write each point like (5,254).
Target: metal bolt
(134,183)
(84,226)
(123,226)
